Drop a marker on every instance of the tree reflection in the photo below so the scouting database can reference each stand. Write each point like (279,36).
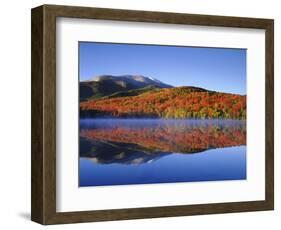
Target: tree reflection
(135,144)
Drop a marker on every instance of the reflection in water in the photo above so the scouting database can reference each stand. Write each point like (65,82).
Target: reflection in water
(124,141)
(118,143)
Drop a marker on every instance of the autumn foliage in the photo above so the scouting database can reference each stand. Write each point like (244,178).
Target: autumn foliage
(177,103)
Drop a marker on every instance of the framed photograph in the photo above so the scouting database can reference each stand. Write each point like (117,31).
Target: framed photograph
(141,114)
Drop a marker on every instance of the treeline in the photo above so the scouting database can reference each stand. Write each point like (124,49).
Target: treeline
(175,103)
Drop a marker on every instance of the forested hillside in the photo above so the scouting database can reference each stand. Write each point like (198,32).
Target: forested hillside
(177,103)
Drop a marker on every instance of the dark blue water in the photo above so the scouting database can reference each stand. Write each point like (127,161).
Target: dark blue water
(135,151)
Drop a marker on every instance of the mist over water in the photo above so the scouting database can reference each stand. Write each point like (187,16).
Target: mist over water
(141,151)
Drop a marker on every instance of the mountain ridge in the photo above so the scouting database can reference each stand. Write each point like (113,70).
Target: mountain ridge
(105,85)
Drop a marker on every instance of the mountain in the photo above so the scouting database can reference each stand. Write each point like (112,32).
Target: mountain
(105,85)
(176,103)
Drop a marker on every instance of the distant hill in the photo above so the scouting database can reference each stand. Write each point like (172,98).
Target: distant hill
(167,102)
(106,85)
(133,92)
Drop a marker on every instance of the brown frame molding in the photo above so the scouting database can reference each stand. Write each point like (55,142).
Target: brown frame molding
(43,188)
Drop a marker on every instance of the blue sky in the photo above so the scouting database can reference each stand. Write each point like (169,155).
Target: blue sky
(218,69)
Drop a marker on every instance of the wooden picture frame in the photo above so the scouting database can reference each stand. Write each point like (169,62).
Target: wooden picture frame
(43,208)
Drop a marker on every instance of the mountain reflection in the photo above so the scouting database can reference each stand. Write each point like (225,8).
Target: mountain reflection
(135,142)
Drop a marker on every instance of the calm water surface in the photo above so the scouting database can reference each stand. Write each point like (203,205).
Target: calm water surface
(142,151)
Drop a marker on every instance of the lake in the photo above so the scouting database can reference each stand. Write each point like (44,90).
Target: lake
(145,151)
